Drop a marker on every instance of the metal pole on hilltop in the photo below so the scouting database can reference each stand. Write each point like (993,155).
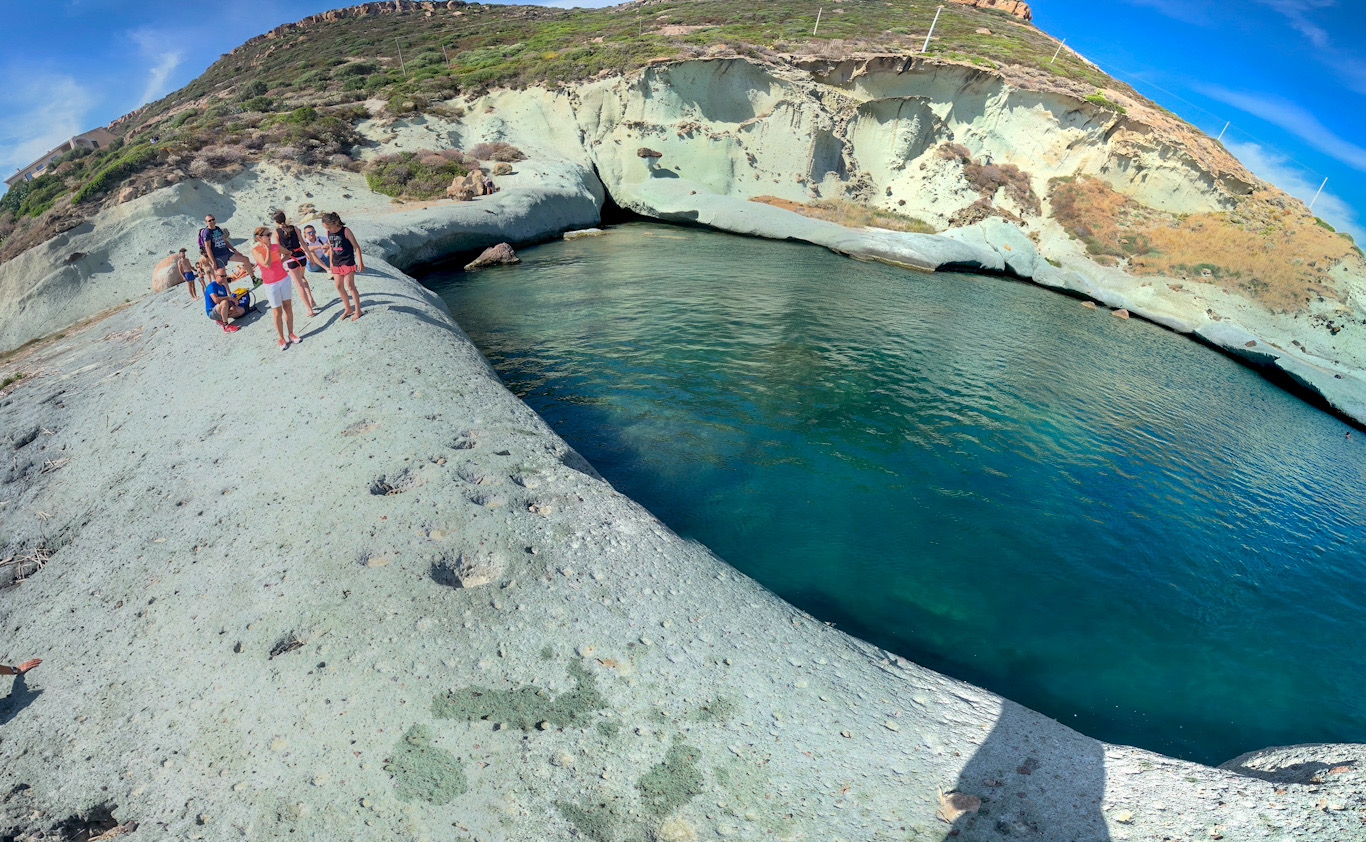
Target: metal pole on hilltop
(1057,51)
(818,21)
(403,66)
(933,24)
(444,55)
(1316,195)
(1221,132)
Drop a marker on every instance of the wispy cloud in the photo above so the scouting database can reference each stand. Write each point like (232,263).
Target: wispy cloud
(1288,176)
(1294,119)
(1182,10)
(39,110)
(153,46)
(1298,12)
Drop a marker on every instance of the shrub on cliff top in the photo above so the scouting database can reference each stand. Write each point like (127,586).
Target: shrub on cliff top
(414,175)
(497,151)
(132,160)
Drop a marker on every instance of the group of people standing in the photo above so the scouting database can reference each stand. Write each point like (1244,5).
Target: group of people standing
(282,255)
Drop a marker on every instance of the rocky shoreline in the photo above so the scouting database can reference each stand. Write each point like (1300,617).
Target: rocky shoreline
(358,590)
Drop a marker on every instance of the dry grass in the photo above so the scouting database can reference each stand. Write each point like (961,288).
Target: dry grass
(1267,249)
(851,215)
(27,562)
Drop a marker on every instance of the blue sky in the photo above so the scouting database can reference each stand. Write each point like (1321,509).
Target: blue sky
(1289,74)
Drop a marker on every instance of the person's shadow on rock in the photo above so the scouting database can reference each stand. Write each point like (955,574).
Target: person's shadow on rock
(1029,779)
(20,697)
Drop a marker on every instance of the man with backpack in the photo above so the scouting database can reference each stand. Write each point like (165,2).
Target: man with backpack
(214,244)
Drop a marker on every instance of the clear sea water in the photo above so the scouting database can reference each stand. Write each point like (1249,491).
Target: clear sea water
(1096,518)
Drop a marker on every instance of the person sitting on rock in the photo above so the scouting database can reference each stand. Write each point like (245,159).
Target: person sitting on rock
(214,244)
(219,304)
(22,668)
(187,269)
(315,249)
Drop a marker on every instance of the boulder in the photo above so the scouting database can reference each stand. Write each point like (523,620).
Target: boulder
(502,168)
(647,152)
(465,187)
(164,274)
(499,255)
(1090,305)
(1121,313)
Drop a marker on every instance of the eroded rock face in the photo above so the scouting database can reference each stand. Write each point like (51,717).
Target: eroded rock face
(1013,7)
(499,255)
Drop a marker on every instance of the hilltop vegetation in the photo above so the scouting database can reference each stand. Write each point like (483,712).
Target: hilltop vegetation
(294,96)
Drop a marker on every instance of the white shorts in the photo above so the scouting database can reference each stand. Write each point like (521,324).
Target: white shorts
(279,292)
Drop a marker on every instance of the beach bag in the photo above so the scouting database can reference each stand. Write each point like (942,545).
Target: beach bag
(243,296)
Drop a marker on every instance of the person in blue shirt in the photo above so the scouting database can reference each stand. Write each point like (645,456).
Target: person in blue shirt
(219,304)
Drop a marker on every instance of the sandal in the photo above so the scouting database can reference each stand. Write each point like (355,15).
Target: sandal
(294,340)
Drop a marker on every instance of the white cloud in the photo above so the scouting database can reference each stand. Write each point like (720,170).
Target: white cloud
(1294,119)
(1290,177)
(1181,10)
(1298,11)
(39,110)
(153,47)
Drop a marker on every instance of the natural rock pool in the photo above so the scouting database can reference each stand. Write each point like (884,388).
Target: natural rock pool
(1096,518)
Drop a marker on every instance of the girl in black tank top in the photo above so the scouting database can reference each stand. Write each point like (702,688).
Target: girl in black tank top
(345,260)
(292,250)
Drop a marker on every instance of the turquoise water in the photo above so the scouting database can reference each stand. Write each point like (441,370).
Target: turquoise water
(1096,518)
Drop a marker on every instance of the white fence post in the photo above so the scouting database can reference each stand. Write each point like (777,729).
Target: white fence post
(1316,195)
(818,21)
(1221,132)
(1057,51)
(932,26)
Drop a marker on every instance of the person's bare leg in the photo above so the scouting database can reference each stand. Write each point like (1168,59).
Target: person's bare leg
(247,264)
(351,287)
(277,313)
(305,293)
(343,295)
(289,315)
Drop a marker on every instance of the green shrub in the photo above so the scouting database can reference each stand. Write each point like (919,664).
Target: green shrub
(260,103)
(184,117)
(356,68)
(42,192)
(130,162)
(415,175)
(302,115)
(1099,98)
(252,89)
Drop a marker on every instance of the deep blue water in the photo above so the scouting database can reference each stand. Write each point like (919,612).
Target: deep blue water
(1096,518)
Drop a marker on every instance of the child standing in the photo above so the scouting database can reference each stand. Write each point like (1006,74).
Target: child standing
(344,261)
(275,279)
(293,249)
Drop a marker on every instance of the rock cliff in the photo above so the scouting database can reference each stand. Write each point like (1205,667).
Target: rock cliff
(359,591)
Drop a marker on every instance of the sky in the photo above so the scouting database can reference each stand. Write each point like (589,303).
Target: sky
(1289,75)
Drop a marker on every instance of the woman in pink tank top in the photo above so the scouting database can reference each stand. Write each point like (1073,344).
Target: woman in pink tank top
(276,284)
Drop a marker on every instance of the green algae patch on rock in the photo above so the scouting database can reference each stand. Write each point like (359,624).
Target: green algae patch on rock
(527,706)
(672,783)
(600,822)
(424,772)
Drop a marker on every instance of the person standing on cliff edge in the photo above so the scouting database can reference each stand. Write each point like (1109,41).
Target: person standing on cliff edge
(344,262)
